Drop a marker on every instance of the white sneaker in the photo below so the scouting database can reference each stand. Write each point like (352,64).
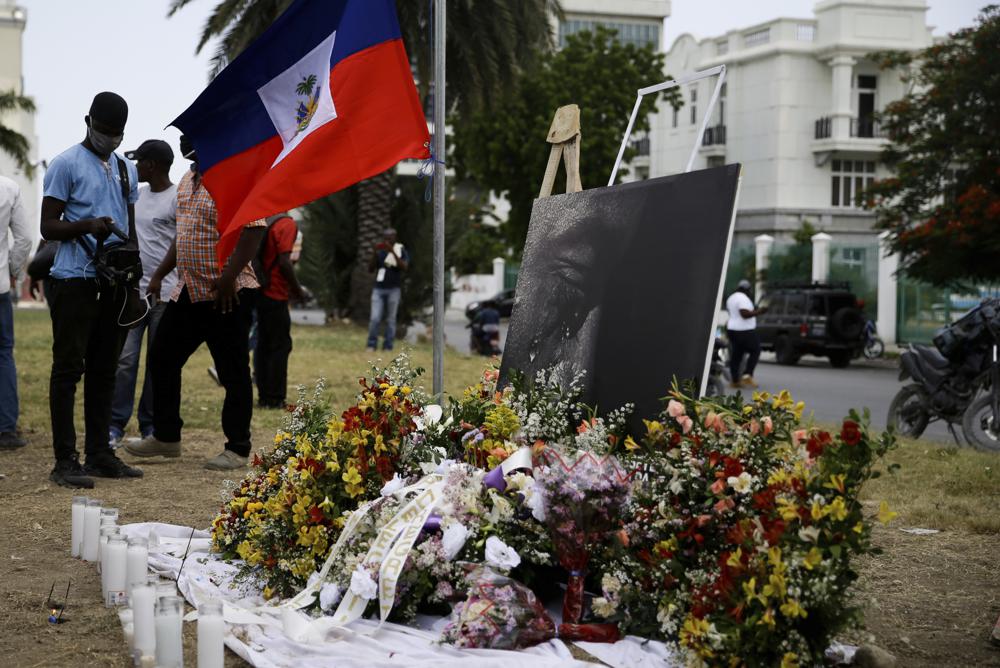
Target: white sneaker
(152,447)
(227,461)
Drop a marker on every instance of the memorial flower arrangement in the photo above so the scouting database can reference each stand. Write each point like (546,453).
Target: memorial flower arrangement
(741,533)
(725,527)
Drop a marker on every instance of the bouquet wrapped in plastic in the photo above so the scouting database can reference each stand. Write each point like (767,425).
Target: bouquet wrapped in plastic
(584,495)
(498,613)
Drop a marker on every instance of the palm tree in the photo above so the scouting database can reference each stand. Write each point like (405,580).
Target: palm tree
(488,42)
(12,142)
(305,86)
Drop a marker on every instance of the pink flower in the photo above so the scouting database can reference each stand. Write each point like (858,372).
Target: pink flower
(715,422)
(799,436)
(754,427)
(768,425)
(686,424)
(718,486)
(675,409)
(724,504)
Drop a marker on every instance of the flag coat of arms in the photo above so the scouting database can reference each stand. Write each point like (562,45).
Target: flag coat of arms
(323,99)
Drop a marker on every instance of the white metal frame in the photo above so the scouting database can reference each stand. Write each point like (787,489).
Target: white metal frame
(673,83)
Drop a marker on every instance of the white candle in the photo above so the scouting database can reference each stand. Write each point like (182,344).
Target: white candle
(211,631)
(107,531)
(102,540)
(169,645)
(91,529)
(165,588)
(137,563)
(144,631)
(115,571)
(76,536)
(126,617)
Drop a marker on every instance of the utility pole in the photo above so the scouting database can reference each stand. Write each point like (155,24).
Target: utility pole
(440,9)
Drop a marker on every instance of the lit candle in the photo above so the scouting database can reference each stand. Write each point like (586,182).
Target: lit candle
(76,537)
(91,529)
(169,645)
(115,571)
(211,630)
(137,562)
(144,630)
(107,531)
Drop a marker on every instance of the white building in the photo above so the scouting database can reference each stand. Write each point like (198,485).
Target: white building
(797,112)
(12,22)
(638,22)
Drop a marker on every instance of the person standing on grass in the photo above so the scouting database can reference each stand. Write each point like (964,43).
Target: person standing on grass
(278,283)
(389,261)
(88,191)
(742,332)
(156,224)
(13,259)
(207,306)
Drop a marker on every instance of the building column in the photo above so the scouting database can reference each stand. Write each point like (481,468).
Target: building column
(821,257)
(888,264)
(843,72)
(499,266)
(762,258)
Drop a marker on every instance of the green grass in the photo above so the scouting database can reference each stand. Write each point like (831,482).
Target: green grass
(335,352)
(935,487)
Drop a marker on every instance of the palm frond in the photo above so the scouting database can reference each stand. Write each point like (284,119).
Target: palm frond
(16,146)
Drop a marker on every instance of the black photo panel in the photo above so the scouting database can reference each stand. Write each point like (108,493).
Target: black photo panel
(624,283)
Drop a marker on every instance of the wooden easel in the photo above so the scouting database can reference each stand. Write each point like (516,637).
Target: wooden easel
(564,135)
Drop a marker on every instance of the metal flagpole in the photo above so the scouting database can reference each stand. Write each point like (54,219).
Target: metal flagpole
(439,192)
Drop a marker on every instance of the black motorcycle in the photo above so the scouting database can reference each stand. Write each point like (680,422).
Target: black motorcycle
(718,373)
(950,377)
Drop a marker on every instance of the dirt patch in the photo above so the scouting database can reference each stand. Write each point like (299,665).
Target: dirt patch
(930,600)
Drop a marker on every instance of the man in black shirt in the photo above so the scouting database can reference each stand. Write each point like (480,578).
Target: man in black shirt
(389,261)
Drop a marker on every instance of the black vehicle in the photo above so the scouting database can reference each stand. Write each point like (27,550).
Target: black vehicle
(957,380)
(718,373)
(504,301)
(812,319)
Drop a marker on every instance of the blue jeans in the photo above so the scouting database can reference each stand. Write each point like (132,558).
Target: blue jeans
(8,372)
(385,304)
(128,373)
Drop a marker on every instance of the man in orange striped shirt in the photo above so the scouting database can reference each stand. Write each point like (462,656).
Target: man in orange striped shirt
(210,306)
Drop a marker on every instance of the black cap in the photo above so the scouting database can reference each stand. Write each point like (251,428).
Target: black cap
(154,149)
(110,109)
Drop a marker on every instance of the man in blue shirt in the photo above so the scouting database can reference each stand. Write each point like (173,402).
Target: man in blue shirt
(389,260)
(84,201)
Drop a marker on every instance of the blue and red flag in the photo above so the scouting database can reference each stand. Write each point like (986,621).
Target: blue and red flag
(323,99)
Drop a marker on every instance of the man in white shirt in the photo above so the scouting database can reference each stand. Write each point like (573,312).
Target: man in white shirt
(156,226)
(13,258)
(742,332)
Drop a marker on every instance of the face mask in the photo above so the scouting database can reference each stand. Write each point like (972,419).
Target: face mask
(102,143)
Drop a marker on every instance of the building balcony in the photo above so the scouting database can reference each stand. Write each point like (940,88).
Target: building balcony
(641,146)
(859,135)
(713,142)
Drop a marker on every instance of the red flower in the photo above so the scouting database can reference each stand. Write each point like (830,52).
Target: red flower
(316,515)
(814,447)
(733,467)
(850,433)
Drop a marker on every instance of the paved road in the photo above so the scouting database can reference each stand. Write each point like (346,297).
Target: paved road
(829,393)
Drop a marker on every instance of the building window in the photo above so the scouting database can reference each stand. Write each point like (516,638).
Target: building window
(694,105)
(722,104)
(849,179)
(722,47)
(636,34)
(757,37)
(677,112)
(851,257)
(805,32)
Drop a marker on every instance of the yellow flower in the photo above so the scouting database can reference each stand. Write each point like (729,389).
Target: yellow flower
(789,660)
(836,482)
(630,444)
(778,477)
(326,504)
(799,408)
(734,558)
(268,593)
(767,619)
(775,587)
(818,511)
(789,510)
(837,509)
(792,609)
(390,392)
(813,559)
(653,428)
(859,527)
(352,476)
(406,390)
(783,400)
(774,556)
(884,514)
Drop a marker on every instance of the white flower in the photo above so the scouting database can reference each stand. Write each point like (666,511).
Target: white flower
(393,486)
(501,511)
(501,555)
(329,596)
(809,534)
(610,584)
(444,466)
(430,415)
(453,540)
(362,584)
(602,607)
(533,499)
(742,483)
(676,485)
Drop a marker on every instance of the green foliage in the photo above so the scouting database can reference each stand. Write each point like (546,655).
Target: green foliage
(12,142)
(504,149)
(742,264)
(942,208)
(473,250)
(793,263)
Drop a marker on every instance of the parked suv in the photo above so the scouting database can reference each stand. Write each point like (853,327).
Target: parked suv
(812,319)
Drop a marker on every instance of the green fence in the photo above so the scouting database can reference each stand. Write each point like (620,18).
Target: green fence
(510,274)
(923,309)
(857,265)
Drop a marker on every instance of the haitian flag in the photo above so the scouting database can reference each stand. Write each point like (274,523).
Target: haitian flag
(323,99)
